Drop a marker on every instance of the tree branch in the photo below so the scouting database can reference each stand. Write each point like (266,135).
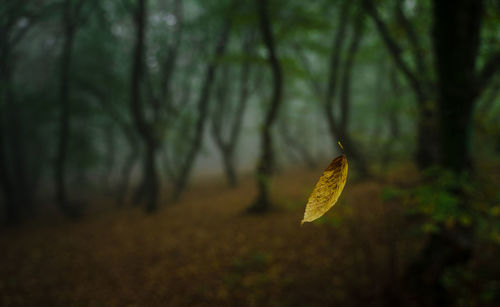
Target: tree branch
(394,49)
(412,37)
(345,91)
(247,45)
(338,40)
(314,83)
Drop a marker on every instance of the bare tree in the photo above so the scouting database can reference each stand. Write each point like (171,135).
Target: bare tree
(339,128)
(453,83)
(70,18)
(159,103)
(455,40)
(149,187)
(180,170)
(222,124)
(266,160)
(16,19)
(423,88)
(392,119)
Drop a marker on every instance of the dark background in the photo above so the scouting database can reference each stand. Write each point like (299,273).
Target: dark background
(161,152)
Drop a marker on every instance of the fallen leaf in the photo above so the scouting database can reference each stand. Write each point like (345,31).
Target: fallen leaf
(327,190)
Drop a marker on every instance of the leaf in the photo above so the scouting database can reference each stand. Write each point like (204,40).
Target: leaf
(327,190)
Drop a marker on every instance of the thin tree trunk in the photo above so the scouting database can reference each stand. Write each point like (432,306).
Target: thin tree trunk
(334,66)
(393,121)
(64,116)
(170,60)
(266,160)
(150,177)
(219,117)
(12,207)
(229,170)
(128,165)
(394,124)
(427,151)
(345,97)
(202,108)
(227,147)
(18,152)
(14,175)
(126,173)
(110,155)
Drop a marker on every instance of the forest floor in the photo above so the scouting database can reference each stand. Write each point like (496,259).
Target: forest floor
(205,251)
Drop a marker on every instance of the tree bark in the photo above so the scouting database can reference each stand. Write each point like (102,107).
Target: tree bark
(331,87)
(150,177)
(65,115)
(266,160)
(12,206)
(427,152)
(202,108)
(393,120)
(228,145)
(456,34)
(126,172)
(229,169)
(170,60)
(109,137)
(17,182)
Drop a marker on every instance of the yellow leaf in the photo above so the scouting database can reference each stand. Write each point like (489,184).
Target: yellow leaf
(327,190)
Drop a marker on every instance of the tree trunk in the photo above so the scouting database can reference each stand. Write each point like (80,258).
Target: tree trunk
(109,135)
(12,207)
(456,34)
(393,120)
(229,170)
(227,146)
(150,177)
(338,131)
(345,103)
(394,124)
(427,139)
(202,108)
(334,65)
(16,177)
(266,160)
(17,152)
(126,171)
(65,116)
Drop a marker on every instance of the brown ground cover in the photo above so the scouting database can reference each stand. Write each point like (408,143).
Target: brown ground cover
(204,252)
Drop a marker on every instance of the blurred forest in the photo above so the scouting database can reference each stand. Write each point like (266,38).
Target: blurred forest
(161,152)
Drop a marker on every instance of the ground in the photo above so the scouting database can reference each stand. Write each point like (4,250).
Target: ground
(203,251)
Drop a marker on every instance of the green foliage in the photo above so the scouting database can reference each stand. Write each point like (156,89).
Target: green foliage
(446,201)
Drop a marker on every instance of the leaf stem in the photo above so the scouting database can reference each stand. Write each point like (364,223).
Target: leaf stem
(341,147)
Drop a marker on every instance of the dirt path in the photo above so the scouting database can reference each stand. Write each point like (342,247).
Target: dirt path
(203,251)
